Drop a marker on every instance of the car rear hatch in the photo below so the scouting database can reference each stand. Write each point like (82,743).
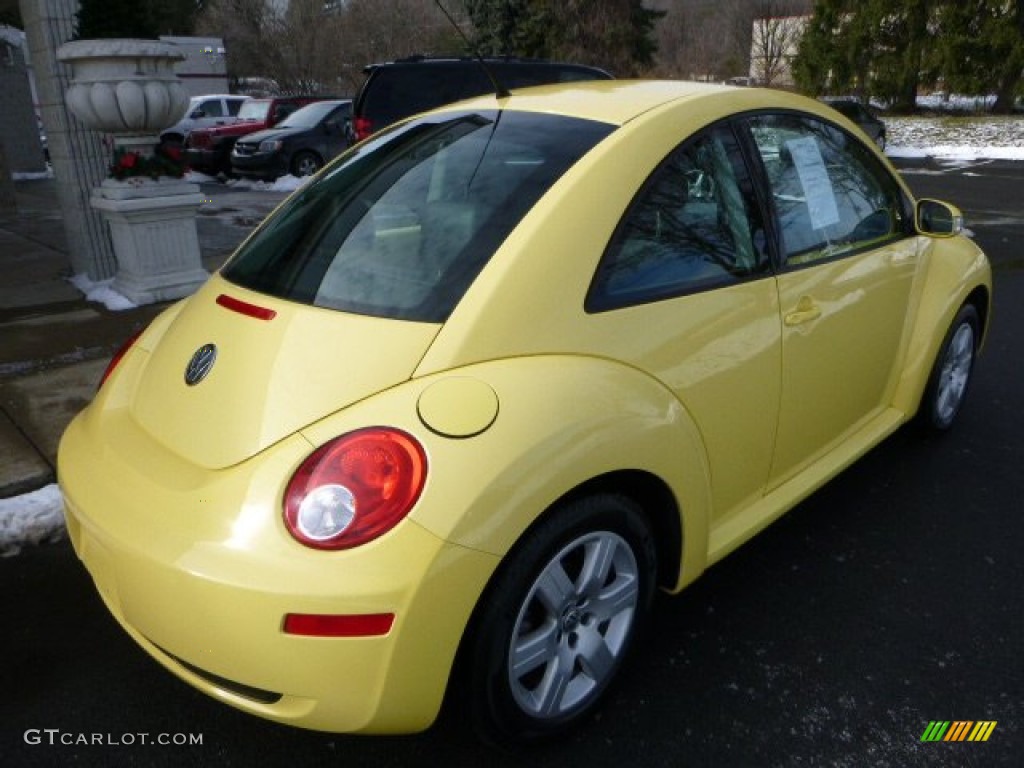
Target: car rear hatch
(341,292)
(277,366)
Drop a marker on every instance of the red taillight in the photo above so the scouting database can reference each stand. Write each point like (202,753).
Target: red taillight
(118,356)
(363,127)
(355,488)
(331,625)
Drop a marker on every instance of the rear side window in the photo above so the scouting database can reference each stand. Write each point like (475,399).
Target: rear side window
(396,91)
(694,226)
(402,225)
(400,91)
(254,110)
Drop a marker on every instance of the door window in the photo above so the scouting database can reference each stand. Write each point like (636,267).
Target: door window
(693,226)
(212,108)
(830,194)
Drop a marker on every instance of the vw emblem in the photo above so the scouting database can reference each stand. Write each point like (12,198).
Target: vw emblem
(200,364)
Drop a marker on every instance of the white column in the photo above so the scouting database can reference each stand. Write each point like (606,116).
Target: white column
(78,155)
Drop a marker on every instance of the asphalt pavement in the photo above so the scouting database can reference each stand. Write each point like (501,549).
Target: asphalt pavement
(889,599)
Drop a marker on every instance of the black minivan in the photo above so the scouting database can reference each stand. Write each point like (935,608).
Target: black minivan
(397,89)
(300,144)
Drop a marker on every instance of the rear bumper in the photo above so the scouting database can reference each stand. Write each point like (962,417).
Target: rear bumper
(207,599)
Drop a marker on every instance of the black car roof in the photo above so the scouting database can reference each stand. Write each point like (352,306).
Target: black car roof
(449,60)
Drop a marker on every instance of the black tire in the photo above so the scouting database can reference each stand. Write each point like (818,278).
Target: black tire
(222,159)
(570,633)
(305,164)
(951,376)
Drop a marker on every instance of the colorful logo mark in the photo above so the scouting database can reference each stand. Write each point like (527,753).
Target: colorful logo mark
(958,730)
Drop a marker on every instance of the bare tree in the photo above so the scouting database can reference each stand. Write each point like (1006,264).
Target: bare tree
(245,27)
(381,30)
(775,37)
(309,46)
(703,40)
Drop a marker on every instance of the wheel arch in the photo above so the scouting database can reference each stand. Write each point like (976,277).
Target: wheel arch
(959,276)
(656,501)
(304,151)
(658,504)
(981,298)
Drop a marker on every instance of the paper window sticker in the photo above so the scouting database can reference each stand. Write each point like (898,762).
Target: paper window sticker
(810,168)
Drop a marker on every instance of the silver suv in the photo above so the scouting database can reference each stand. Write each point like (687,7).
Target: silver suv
(204,112)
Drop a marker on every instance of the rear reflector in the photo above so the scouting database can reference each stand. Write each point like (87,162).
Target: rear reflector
(118,356)
(245,308)
(328,625)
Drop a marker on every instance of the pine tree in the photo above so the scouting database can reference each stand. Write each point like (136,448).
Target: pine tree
(816,64)
(980,48)
(887,48)
(145,19)
(900,40)
(873,48)
(505,27)
(10,14)
(113,18)
(616,34)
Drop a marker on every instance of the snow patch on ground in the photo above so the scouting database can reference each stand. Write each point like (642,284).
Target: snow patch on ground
(956,138)
(32,175)
(102,293)
(195,177)
(957,152)
(30,519)
(287,183)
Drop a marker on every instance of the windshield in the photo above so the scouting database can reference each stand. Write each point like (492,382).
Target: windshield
(254,110)
(402,225)
(309,116)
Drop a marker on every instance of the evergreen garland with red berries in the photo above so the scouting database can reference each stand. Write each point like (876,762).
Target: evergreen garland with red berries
(165,161)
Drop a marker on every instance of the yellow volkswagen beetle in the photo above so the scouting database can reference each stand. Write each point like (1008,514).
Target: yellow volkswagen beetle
(449,417)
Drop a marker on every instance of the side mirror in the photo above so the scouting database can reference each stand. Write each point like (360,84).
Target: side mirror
(197,113)
(938,219)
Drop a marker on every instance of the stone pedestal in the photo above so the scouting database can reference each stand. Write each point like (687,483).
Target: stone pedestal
(127,88)
(153,228)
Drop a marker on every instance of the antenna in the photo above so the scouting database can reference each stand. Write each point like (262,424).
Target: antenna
(499,90)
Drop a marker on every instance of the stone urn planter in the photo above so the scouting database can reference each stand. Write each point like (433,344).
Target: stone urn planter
(128,89)
(123,87)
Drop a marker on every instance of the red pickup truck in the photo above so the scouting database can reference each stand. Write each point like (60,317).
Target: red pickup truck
(209,150)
